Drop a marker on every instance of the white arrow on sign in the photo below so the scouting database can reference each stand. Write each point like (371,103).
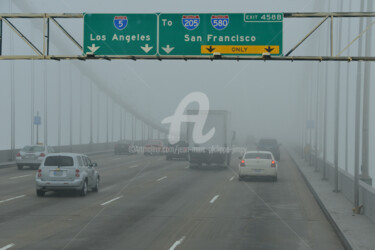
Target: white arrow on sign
(93,48)
(146,48)
(167,49)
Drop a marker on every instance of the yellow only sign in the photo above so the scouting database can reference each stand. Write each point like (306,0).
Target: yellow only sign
(234,49)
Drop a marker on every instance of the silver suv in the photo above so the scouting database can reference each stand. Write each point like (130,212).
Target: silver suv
(32,155)
(67,171)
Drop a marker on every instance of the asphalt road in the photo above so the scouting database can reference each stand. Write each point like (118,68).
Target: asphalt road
(151,203)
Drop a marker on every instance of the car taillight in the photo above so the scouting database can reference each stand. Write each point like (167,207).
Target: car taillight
(77,172)
(242,163)
(42,155)
(18,154)
(39,172)
(273,164)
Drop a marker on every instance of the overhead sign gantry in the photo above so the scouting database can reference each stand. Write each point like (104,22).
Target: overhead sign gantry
(183,34)
(187,36)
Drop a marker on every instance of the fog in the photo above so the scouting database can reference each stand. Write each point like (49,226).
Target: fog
(266,99)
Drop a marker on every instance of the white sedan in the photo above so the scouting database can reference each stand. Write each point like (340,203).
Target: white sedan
(257,163)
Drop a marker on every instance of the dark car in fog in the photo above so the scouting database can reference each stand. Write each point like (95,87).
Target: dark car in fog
(177,151)
(124,147)
(271,145)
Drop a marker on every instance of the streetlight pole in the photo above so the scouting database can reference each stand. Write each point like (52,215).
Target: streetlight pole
(324,177)
(357,117)
(337,110)
(347,98)
(366,106)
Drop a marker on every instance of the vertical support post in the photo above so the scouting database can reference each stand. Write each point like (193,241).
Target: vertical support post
(59,108)
(45,35)
(1,36)
(358,117)
(80,108)
(324,170)
(125,125)
(311,123)
(71,108)
(306,118)
(366,106)
(135,128)
(143,132)
(132,123)
(37,130)
(98,117)
(331,35)
(91,117)
(120,123)
(317,120)
(347,98)
(12,103)
(337,111)
(32,99)
(107,119)
(45,105)
(113,118)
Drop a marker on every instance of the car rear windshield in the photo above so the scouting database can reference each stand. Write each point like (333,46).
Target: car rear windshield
(32,149)
(60,161)
(258,156)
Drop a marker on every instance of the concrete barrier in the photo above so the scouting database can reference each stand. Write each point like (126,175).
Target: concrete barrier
(346,186)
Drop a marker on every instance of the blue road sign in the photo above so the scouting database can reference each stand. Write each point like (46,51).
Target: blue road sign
(310,124)
(37,120)
(190,22)
(120,22)
(219,22)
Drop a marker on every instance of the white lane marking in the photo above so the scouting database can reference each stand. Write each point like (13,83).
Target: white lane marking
(134,166)
(177,243)
(7,246)
(162,178)
(21,176)
(231,179)
(214,199)
(17,197)
(114,199)
(270,208)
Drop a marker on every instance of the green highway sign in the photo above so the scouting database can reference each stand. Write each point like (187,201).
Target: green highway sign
(227,34)
(183,34)
(120,34)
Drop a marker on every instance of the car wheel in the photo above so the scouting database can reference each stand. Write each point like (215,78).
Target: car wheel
(96,188)
(20,167)
(83,191)
(40,193)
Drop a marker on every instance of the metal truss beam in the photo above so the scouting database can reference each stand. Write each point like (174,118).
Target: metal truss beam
(186,58)
(48,16)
